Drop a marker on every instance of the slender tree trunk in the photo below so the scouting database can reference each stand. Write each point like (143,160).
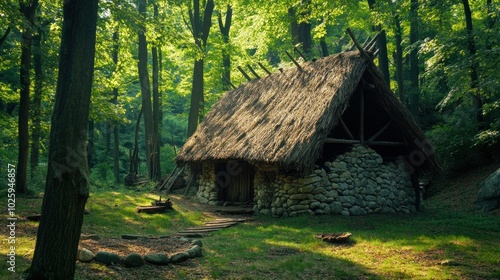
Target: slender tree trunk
(90,144)
(301,29)
(200,27)
(28,10)
(156,137)
(414,98)
(225,27)
(145,91)
(324,47)
(398,58)
(474,77)
(116,126)
(67,186)
(37,102)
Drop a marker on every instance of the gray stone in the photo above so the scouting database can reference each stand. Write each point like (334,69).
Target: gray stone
(314,205)
(301,196)
(85,255)
(309,180)
(347,199)
(320,198)
(488,197)
(385,193)
(336,207)
(318,190)
(179,257)
(332,194)
(158,259)
(107,258)
(371,198)
(372,205)
(194,251)
(298,208)
(357,211)
(345,213)
(307,189)
(197,242)
(133,260)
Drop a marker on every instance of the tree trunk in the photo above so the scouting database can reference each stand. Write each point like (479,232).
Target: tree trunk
(200,27)
(156,137)
(474,77)
(301,29)
(324,47)
(414,98)
(28,10)
(90,144)
(67,185)
(116,139)
(224,28)
(37,102)
(398,58)
(145,90)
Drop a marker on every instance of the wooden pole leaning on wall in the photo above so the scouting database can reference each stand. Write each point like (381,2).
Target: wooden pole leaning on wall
(293,60)
(244,73)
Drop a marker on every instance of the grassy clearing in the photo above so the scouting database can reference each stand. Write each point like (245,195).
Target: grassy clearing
(448,240)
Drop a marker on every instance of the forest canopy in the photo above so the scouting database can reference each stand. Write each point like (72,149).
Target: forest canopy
(161,64)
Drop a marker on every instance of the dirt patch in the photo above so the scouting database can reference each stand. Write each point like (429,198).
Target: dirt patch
(141,246)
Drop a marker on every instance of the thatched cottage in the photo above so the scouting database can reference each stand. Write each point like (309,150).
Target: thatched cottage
(326,138)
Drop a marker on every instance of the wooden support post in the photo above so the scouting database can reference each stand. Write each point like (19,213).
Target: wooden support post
(301,55)
(264,68)
(346,129)
(253,71)
(378,133)
(362,118)
(229,82)
(293,60)
(244,73)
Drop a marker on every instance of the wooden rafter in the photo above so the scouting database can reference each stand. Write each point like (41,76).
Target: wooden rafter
(346,129)
(378,133)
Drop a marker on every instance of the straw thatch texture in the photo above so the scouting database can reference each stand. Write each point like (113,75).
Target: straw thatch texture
(283,118)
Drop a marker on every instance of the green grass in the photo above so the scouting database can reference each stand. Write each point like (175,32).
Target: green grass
(412,246)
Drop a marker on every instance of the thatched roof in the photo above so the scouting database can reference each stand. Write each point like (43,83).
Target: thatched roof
(284,118)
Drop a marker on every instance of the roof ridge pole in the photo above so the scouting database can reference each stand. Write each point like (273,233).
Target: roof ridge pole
(253,71)
(244,73)
(229,81)
(293,60)
(264,68)
(360,48)
(301,55)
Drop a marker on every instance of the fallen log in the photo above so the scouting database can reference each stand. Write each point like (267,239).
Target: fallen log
(151,209)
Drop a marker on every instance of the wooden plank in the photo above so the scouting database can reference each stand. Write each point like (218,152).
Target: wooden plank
(341,141)
(378,133)
(151,209)
(198,231)
(387,143)
(362,118)
(346,129)
(293,60)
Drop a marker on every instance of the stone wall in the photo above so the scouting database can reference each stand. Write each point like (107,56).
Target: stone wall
(355,183)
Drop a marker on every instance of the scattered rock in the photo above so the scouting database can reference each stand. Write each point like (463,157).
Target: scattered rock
(449,263)
(158,259)
(133,260)
(107,258)
(89,236)
(132,236)
(194,252)
(179,257)
(85,255)
(488,197)
(197,242)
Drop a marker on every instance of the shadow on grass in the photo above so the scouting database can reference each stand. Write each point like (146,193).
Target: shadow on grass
(423,245)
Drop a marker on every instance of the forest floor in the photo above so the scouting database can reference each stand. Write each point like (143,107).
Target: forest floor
(449,239)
